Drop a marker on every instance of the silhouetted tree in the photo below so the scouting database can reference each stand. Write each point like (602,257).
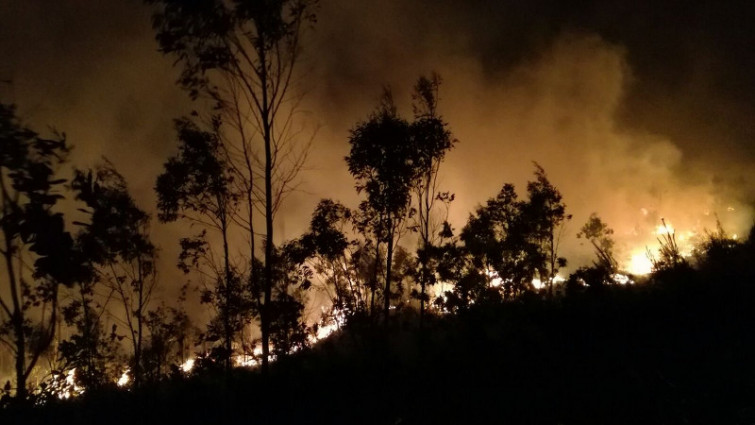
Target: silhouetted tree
(241,55)
(406,267)
(605,266)
(383,160)
(433,140)
(38,252)
(169,328)
(90,351)
(511,242)
(599,234)
(467,267)
(669,256)
(499,240)
(335,256)
(369,255)
(545,213)
(288,331)
(116,242)
(197,186)
(367,262)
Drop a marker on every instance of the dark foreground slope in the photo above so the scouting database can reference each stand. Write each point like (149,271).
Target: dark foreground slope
(680,353)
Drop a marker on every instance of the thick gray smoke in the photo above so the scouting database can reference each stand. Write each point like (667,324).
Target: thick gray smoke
(630,120)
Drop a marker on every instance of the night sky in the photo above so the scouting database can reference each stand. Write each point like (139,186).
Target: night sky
(637,110)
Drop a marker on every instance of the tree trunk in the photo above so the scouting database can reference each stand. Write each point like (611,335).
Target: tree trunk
(20,357)
(139,327)
(249,203)
(17,321)
(228,295)
(553,266)
(267,137)
(425,217)
(374,281)
(389,260)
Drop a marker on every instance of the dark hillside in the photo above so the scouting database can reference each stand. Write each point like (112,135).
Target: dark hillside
(657,353)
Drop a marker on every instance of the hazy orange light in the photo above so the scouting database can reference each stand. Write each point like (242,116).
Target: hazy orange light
(665,229)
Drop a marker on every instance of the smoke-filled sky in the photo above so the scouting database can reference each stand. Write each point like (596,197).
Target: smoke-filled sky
(637,110)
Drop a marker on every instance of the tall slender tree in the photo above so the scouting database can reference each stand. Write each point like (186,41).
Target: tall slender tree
(433,140)
(383,160)
(116,242)
(197,185)
(241,55)
(546,213)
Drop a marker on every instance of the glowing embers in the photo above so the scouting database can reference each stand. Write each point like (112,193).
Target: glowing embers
(250,360)
(622,279)
(495,281)
(539,284)
(238,360)
(65,387)
(245,360)
(336,320)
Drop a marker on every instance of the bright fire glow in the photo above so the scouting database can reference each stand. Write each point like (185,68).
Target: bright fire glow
(666,229)
(252,360)
(324,331)
(70,389)
(537,283)
(640,264)
(124,379)
(245,360)
(187,366)
(495,280)
(249,360)
(622,279)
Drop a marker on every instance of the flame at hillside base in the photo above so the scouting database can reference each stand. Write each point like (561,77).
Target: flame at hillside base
(253,360)
(639,264)
(685,243)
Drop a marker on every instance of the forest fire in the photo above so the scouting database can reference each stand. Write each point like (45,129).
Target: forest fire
(271,216)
